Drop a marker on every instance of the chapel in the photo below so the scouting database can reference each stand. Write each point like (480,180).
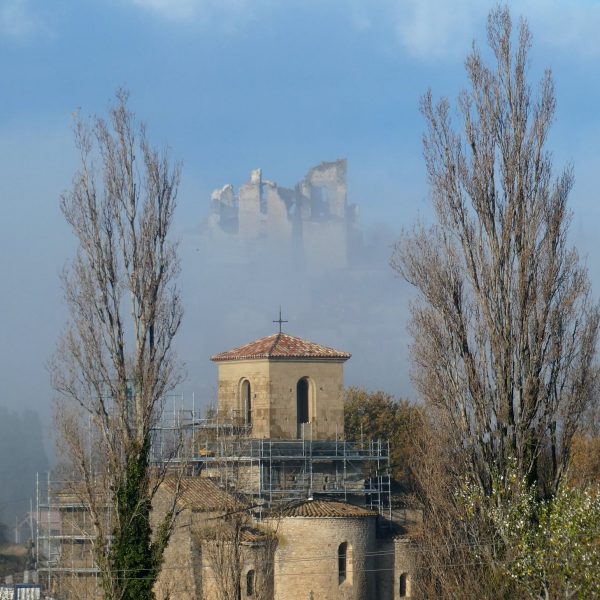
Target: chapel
(275,502)
(283,387)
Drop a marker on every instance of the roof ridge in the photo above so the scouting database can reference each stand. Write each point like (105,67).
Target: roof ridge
(277,336)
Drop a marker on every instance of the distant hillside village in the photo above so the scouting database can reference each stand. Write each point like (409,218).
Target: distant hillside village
(274,503)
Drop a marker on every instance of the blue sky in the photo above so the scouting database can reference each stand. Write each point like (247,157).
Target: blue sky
(232,85)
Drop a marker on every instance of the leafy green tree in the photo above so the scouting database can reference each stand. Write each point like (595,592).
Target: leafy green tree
(379,415)
(531,548)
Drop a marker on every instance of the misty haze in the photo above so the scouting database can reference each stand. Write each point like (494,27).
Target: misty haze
(383,180)
(305,250)
(333,284)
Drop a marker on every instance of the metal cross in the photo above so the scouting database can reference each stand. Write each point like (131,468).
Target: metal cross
(280,320)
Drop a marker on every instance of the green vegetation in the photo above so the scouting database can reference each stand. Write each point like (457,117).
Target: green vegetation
(532,548)
(378,415)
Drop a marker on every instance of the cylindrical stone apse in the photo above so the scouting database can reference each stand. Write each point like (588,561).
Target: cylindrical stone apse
(326,550)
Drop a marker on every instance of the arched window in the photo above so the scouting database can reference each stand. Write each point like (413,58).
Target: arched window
(343,561)
(246,397)
(303,403)
(250,575)
(404,585)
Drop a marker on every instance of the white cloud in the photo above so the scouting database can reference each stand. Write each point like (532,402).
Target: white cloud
(16,19)
(360,16)
(23,19)
(428,30)
(432,30)
(565,25)
(174,9)
(225,11)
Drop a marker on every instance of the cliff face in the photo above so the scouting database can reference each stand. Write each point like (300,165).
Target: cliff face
(314,219)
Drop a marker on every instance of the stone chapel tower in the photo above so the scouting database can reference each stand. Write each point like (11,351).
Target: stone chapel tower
(283,387)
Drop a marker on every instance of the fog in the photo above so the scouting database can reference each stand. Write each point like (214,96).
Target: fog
(232,296)
(231,289)
(281,90)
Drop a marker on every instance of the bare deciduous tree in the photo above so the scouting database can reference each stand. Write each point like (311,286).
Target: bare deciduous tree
(237,552)
(223,553)
(240,557)
(116,361)
(505,330)
(504,327)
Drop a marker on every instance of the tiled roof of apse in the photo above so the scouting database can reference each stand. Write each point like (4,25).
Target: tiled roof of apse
(202,494)
(327,509)
(281,346)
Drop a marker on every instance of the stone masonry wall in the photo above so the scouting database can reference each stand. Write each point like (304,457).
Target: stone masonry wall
(306,561)
(273,389)
(181,575)
(230,377)
(314,217)
(404,564)
(326,410)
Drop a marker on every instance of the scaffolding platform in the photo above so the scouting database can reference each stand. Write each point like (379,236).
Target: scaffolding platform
(276,470)
(271,472)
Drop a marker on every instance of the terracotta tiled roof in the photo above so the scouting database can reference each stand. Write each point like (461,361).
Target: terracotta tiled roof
(226,531)
(252,535)
(281,346)
(197,493)
(327,508)
(202,494)
(74,494)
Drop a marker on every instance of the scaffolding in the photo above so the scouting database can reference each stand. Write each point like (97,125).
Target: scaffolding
(269,471)
(64,539)
(272,470)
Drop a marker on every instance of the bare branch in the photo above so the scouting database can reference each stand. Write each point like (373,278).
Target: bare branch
(114,364)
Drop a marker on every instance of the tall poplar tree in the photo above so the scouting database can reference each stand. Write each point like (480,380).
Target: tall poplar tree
(116,360)
(504,327)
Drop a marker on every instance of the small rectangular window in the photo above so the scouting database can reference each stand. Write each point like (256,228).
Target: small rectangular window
(403,585)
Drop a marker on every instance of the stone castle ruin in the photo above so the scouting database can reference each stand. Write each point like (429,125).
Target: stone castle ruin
(313,220)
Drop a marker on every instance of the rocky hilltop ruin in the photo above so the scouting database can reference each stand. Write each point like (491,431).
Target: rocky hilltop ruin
(314,219)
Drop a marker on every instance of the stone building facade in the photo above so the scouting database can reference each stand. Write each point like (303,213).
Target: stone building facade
(321,541)
(283,387)
(214,548)
(314,549)
(326,550)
